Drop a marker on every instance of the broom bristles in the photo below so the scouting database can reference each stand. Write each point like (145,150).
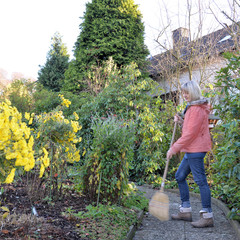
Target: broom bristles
(159,206)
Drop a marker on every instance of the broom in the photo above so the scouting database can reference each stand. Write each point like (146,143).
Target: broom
(159,204)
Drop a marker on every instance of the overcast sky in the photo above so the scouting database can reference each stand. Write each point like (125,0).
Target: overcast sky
(27,27)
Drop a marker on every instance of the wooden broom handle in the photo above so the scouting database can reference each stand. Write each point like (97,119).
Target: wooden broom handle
(167,163)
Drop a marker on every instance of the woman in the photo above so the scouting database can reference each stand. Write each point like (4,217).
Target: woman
(195,142)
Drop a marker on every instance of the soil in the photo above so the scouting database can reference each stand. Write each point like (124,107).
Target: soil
(50,222)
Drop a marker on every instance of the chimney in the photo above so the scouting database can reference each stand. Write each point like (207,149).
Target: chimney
(180,38)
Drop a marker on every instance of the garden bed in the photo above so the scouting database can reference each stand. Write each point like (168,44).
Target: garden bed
(57,220)
(50,222)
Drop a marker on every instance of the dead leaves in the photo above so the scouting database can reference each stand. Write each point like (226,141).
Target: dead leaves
(5,214)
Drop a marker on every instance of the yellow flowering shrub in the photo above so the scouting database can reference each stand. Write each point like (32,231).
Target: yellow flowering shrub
(56,135)
(16,143)
(48,145)
(60,133)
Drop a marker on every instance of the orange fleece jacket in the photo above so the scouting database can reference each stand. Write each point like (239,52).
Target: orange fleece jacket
(195,132)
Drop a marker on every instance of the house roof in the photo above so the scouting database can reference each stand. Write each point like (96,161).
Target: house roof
(185,52)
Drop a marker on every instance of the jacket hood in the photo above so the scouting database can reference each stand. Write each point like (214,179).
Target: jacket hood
(202,102)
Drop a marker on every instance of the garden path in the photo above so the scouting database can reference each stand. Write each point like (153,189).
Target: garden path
(153,229)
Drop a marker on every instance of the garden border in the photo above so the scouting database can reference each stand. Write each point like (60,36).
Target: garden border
(133,228)
(235,224)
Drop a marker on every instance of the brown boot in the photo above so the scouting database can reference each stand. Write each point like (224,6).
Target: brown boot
(184,214)
(206,220)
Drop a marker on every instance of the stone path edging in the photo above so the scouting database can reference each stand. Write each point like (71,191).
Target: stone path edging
(134,227)
(235,224)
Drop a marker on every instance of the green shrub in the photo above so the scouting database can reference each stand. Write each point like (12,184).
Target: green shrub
(154,132)
(20,94)
(45,100)
(113,99)
(128,95)
(105,172)
(227,166)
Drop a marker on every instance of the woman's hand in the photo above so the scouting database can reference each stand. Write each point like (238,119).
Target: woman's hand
(178,119)
(170,154)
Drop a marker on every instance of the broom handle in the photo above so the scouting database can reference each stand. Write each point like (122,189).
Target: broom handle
(167,163)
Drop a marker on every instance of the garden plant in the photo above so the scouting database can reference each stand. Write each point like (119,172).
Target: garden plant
(75,144)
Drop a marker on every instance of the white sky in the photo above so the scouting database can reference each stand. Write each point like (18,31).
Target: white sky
(26,27)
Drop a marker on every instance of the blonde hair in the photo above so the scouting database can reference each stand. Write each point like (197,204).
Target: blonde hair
(193,89)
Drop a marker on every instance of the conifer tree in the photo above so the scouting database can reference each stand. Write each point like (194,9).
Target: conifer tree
(110,28)
(51,75)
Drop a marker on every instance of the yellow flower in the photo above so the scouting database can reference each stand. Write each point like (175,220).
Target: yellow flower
(30,165)
(38,135)
(65,102)
(27,115)
(42,169)
(69,155)
(66,121)
(30,142)
(46,161)
(75,140)
(76,156)
(11,155)
(75,126)
(30,121)
(19,160)
(10,177)
(76,116)
(45,151)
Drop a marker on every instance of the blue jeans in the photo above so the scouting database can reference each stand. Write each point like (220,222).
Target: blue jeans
(193,162)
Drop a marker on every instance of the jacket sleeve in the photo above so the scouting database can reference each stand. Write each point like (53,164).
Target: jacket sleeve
(191,127)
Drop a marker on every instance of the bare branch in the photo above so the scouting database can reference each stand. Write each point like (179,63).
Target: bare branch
(229,17)
(236,3)
(215,16)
